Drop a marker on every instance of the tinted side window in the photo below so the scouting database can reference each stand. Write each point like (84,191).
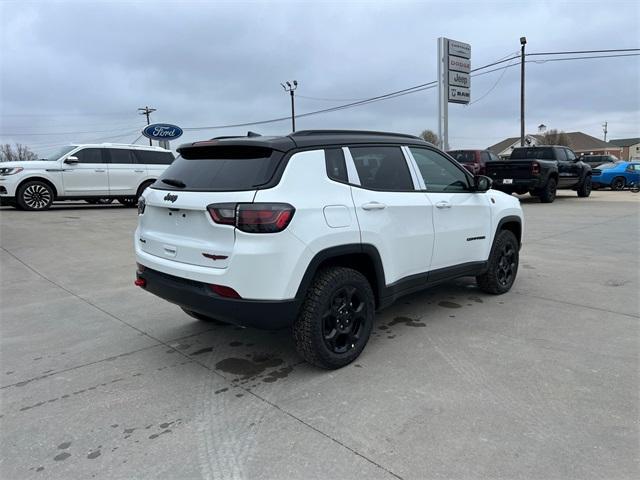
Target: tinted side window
(382,168)
(494,157)
(439,174)
(336,168)
(560,154)
(120,155)
(90,155)
(484,156)
(570,155)
(158,158)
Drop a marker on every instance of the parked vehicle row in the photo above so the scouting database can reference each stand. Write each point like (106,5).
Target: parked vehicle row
(91,172)
(541,170)
(317,230)
(617,175)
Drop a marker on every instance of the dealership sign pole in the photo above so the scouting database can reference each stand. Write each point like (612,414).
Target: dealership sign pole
(454,82)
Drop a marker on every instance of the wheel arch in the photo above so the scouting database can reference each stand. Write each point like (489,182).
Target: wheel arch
(363,258)
(512,223)
(40,179)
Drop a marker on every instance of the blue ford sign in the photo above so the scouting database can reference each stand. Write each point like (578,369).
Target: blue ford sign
(162,131)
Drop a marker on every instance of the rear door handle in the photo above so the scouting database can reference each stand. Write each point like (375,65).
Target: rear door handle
(139,171)
(373,206)
(100,170)
(443,205)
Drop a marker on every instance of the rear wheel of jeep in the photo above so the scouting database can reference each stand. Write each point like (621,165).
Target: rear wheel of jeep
(336,318)
(503,265)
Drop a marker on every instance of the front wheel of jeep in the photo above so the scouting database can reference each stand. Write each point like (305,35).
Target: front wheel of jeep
(335,319)
(503,265)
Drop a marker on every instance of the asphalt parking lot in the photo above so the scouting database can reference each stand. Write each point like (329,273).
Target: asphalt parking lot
(101,379)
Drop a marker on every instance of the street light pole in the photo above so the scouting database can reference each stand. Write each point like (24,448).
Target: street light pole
(523,42)
(291,88)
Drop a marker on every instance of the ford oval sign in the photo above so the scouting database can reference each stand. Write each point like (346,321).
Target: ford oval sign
(162,131)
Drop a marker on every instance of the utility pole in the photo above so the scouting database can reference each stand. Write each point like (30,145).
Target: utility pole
(604,129)
(523,42)
(147,111)
(290,88)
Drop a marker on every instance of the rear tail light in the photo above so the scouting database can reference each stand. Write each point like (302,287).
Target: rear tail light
(535,168)
(253,217)
(141,205)
(223,291)
(223,213)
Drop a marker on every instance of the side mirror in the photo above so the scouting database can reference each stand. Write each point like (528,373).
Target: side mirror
(71,160)
(482,183)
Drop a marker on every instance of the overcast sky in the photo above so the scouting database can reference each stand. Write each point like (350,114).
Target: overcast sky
(86,66)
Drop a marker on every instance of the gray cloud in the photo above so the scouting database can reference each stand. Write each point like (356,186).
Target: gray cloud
(87,66)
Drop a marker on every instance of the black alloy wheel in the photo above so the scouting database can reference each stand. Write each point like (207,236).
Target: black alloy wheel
(343,320)
(335,319)
(507,265)
(618,183)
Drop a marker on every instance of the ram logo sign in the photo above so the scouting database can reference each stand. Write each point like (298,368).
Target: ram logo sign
(162,131)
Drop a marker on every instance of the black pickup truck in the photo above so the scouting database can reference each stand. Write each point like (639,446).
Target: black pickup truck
(540,171)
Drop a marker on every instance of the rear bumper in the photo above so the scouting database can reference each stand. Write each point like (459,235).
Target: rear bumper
(522,184)
(198,297)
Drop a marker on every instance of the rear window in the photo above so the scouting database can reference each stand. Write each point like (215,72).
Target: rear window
(541,153)
(228,168)
(463,156)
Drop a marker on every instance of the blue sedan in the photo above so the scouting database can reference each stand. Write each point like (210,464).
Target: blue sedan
(616,175)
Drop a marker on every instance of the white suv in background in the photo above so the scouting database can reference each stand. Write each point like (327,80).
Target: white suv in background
(90,172)
(317,230)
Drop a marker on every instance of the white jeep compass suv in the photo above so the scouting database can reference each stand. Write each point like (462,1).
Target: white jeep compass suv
(90,172)
(317,230)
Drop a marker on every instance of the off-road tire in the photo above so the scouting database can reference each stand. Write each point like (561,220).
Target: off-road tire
(203,318)
(35,195)
(584,190)
(548,192)
(490,281)
(618,183)
(308,328)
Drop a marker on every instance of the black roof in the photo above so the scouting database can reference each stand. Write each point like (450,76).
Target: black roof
(312,138)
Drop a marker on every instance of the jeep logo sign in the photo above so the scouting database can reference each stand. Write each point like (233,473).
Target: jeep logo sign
(170,198)
(162,131)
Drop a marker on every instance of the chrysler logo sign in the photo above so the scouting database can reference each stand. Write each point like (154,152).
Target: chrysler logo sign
(162,131)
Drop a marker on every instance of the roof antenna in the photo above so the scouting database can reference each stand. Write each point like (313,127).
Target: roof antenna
(253,134)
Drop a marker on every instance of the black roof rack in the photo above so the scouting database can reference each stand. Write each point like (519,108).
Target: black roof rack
(351,132)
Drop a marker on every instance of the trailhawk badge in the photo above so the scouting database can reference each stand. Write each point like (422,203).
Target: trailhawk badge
(170,198)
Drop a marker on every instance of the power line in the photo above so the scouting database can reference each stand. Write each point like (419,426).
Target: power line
(581,58)
(611,50)
(62,133)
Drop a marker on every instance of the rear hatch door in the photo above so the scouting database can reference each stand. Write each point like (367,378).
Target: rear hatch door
(176,224)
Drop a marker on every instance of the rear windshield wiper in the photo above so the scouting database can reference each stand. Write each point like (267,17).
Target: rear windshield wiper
(173,182)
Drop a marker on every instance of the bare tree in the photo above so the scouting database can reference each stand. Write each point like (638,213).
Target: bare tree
(555,137)
(18,153)
(430,136)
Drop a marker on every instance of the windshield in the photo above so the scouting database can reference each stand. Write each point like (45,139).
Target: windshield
(463,156)
(59,153)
